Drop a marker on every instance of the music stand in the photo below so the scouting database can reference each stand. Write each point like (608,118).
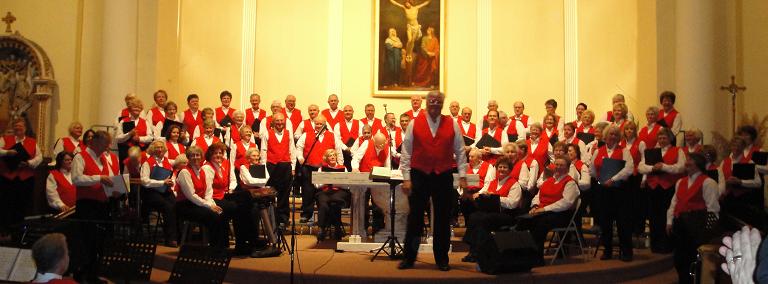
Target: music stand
(200,264)
(395,248)
(126,260)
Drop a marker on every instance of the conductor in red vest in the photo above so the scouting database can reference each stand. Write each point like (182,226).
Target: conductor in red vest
(432,144)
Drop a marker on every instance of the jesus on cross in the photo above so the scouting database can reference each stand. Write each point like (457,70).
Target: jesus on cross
(413,29)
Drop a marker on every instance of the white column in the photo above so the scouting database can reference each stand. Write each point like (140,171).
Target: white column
(118,58)
(335,32)
(695,82)
(248,61)
(484,54)
(571,33)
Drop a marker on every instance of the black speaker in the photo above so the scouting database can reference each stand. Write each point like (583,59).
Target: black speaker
(508,251)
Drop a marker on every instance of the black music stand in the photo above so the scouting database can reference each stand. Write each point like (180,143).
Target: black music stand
(395,249)
(200,264)
(127,261)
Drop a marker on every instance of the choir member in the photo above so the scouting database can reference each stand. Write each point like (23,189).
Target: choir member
(207,138)
(156,113)
(125,112)
(427,161)
(517,152)
(614,198)
(313,160)
(276,107)
(51,259)
(141,133)
(598,142)
(233,134)
(619,115)
(292,113)
(194,199)
(346,132)
(370,119)
(587,119)
(192,117)
(59,190)
(333,114)
(132,164)
(739,195)
(580,108)
(503,119)
(636,146)
(692,141)
(170,115)
(416,109)
(72,141)
(248,181)
(494,131)
(618,98)
(278,152)
(485,171)
(550,133)
(221,174)
(87,137)
(539,149)
(583,180)
(395,137)
(373,152)
(157,194)
(455,110)
(672,119)
(330,199)
(695,198)
(492,106)
(749,134)
(569,136)
(553,205)
(92,169)
(308,125)
(404,121)
(558,150)
(466,126)
(17,177)
(551,108)
(173,144)
(518,125)
(531,170)
(365,134)
(660,179)
(254,114)
(238,151)
(481,223)
(224,110)
(650,131)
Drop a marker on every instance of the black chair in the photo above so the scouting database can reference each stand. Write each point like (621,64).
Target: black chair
(200,264)
(124,260)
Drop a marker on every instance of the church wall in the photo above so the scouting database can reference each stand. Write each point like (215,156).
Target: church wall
(755,61)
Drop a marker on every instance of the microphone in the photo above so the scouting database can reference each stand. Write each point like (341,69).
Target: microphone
(325,127)
(385,105)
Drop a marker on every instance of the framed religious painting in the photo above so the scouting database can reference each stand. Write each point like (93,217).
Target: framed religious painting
(409,47)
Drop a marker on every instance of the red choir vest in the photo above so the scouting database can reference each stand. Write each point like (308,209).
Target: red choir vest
(690,198)
(333,120)
(220,180)
(539,154)
(433,154)
(346,133)
(157,115)
(398,139)
(376,125)
(410,113)
(471,132)
(602,153)
(552,191)
(172,153)
(665,180)
(278,151)
(69,145)
(696,149)
(220,113)
(96,191)
(191,123)
(140,130)
(67,191)
(503,191)
(240,150)
(249,118)
(580,129)
(294,117)
(200,142)
(482,172)
(316,157)
(669,118)
(649,137)
(153,163)
(371,159)
(512,129)
(609,116)
(24,173)
(198,184)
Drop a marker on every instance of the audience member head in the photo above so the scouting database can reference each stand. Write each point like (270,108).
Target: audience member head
(51,254)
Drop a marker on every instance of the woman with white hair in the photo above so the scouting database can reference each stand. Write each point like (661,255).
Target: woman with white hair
(72,141)
(157,181)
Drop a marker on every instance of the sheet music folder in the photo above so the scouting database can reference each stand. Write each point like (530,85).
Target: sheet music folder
(610,168)
(744,171)
(488,141)
(488,203)
(21,155)
(760,158)
(585,137)
(468,141)
(258,171)
(652,156)
(160,173)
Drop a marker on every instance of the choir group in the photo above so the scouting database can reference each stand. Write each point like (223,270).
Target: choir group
(621,173)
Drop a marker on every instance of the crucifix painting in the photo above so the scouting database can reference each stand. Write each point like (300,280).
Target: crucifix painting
(408,47)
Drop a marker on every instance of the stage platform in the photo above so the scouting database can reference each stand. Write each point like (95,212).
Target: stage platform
(322,263)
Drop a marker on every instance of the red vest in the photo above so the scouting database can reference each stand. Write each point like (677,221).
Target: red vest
(398,139)
(696,149)
(512,129)
(471,132)
(200,142)
(96,191)
(316,157)
(23,173)
(665,180)
(240,150)
(496,135)
(649,137)
(249,118)
(198,184)
(690,198)
(153,162)
(69,145)
(191,123)
(140,130)
(602,152)
(551,191)
(669,118)
(433,154)
(410,113)
(294,117)
(278,151)
(371,159)
(727,166)
(376,125)
(220,113)
(67,191)
(172,153)
(157,115)
(503,191)
(123,114)
(308,127)
(345,133)
(482,172)
(331,187)
(331,120)
(579,165)
(609,116)
(580,129)
(539,154)
(220,180)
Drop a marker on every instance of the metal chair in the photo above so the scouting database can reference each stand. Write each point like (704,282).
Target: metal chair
(559,235)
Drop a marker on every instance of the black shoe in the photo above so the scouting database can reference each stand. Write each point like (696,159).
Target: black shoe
(625,257)
(606,256)
(338,233)
(469,258)
(243,250)
(321,235)
(405,264)
(443,266)
(269,251)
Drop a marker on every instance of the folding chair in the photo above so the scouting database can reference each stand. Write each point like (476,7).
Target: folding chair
(559,235)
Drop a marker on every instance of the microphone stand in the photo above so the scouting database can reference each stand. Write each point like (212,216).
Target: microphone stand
(391,241)
(299,174)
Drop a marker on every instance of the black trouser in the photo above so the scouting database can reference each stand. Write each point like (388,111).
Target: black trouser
(541,224)
(374,217)
(91,215)
(438,187)
(246,219)
(15,199)
(742,207)
(216,223)
(639,205)
(165,204)
(307,192)
(616,206)
(347,159)
(659,199)
(329,204)
(592,199)
(280,180)
(468,208)
(480,224)
(687,241)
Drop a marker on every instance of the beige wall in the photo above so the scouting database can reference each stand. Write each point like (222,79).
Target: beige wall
(755,56)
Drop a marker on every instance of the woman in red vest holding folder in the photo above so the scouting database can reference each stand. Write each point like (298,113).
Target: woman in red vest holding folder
(686,219)
(660,178)
(59,189)
(157,190)
(614,199)
(17,174)
(738,193)
(194,198)
(485,171)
